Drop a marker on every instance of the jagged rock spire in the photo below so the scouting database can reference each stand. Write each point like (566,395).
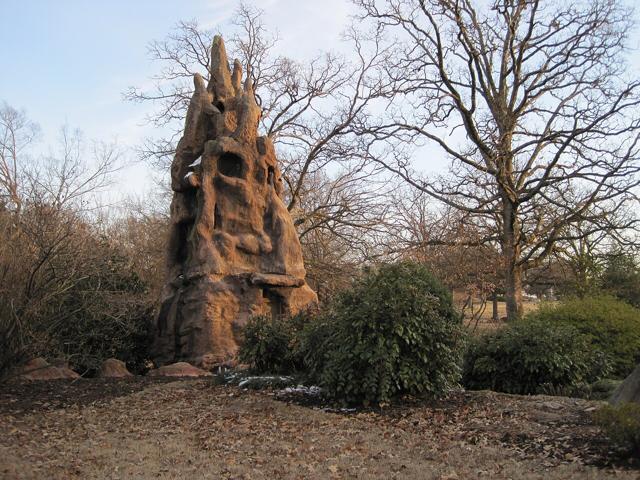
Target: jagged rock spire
(233,250)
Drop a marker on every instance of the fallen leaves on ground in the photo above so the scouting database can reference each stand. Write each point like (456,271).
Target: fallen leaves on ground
(198,429)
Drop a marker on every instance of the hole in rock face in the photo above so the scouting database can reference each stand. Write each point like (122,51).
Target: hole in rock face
(271,176)
(220,106)
(180,242)
(230,164)
(217,218)
(274,303)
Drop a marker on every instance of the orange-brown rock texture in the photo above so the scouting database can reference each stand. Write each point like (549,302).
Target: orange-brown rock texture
(233,250)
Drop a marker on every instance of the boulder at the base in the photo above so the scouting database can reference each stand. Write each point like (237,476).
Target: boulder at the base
(179,369)
(40,369)
(114,368)
(628,390)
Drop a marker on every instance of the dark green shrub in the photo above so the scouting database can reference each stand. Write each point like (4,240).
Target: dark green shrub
(621,277)
(271,344)
(313,343)
(394,331)
(612,325)
(88,336)
(529,358)
(622,425)
(105,314)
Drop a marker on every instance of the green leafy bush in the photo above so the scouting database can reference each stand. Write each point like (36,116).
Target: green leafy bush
(270,344)
(313,343)
(394,331)
(103,313)
(622,425)
(621,277)
(530,358)
(612,326)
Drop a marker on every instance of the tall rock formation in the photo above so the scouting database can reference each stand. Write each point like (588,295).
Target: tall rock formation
(233,250)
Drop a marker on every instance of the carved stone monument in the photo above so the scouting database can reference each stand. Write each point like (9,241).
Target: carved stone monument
(233,250)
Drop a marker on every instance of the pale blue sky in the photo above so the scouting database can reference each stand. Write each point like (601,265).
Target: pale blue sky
(70,60)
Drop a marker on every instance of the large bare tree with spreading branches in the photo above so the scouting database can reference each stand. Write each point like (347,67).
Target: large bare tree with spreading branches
(311,110)
(530,100)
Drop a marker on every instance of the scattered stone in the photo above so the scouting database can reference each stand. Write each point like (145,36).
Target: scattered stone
(233,250)
(40,369)
(179,369)
(114,368)
(628,390)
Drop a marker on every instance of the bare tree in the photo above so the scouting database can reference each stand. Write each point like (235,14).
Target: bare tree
(56,268)
(530,101)
(583,254)
(461,252)
(17,133)
(343,223)
(312,111)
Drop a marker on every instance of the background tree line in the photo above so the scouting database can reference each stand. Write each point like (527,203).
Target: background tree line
(529,101)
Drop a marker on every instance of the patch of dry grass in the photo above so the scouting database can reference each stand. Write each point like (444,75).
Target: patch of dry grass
(486,322)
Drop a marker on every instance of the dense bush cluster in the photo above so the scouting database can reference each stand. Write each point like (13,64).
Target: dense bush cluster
(270,344)
(611,326)
(105,314)
(70,291)
(13,347)
(532,357)
(395,331)
(560,347)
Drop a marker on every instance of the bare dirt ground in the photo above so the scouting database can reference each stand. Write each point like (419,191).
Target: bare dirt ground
(144,428)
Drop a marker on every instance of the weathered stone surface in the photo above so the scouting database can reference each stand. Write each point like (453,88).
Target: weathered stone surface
(114,368)
(233,249)
(40,369)
(179,369)
(266,279)
(628,390)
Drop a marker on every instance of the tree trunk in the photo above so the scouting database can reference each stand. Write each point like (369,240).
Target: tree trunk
(511,255)
(494,302)
(513,293)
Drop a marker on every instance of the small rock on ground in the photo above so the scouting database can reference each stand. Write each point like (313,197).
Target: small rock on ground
(40,369)
(114,368)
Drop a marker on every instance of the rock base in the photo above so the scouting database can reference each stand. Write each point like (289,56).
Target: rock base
(179,369)
(202,321)
(40,369)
